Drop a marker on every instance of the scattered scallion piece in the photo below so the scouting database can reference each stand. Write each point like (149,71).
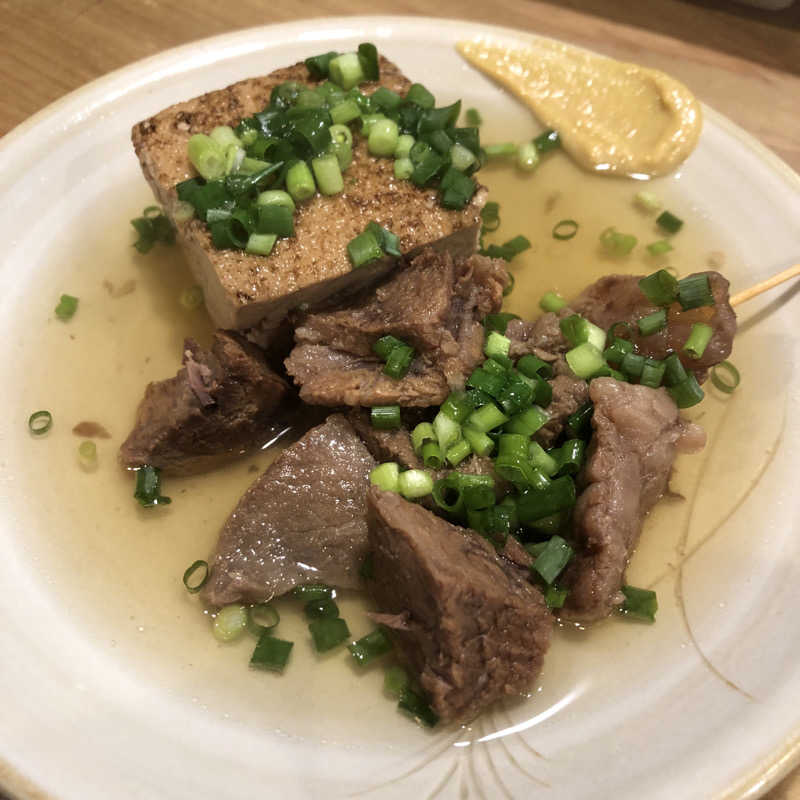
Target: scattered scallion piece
(652,323)
(508,250)
(230,622)
(207,156)
(395,681)
(328,633)
(547,141)
(417,707)
(432,455)
(87,454)
(527,157)
(616,243)
(300,182)
(506,149)
(490,217)
(262,617)
(555,597)
(695,291)
(346,70)
(271,653)
(647,201)
(369,647)
(192,584)
(414,483)
(386,476)
(499,321)
(565,229)
(363,249)
(639,603)
(40,422)
(66,308)
(727,386)
(669,222)
(322,608)
(474,118)
(699,337)
(687,393)
(422,435)
(385,417)
(148,487)
(552,301)
(328,174)
(659,248)
(661,288)
(313,591)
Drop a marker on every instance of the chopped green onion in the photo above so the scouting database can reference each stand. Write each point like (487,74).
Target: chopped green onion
(386,476)
(207,156)
(369,647)
(346,70)
(313,591)
(191,298)
(87,454)
(695,291)
(496,344)
(321,608)
(328,174)
(230,622)
(585,360)
(417,707)
(418,94)
(490,217)
(660,288)
(448,493)
(527,157)
(653,323)
(368,56)
(319,66)
(669,222)
(500,150)
(479,442)
(458,406)
(395,681)
(659,248)
(386,99)
(148,487)
(458,452)
(399,361)
(271,653)
(508,250)
(421,435)
(194,586)
(486,418)
(555,597)
(363,249)
(527,422)
(261,244)
(474,118)
(652,373)
(510,288)
(632,365)
(182,211)
(578,330)
(551,301)
(153,226)
(368,120)
(647,201)
(579,423)
(543,460)
(699,337)
(276,197)
(345,112)
(403,167)
(674,371)
(461,158)
(40,422)
(547,141)
(262,616)
(639,603)
(687,393)
(565,229)
(552,560)
(721,383)
(414,483)
(616,243)
(432,455)
(499,321)
(616,353)
(276,218)
(404,144)
(66,308)
(447,430)
(571,456)
(457,189)
(224,136)
(300,182)
(535,504)
(328,633)
(387,241)
(383,138)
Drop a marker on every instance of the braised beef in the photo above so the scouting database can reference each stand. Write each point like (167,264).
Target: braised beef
(385,445)
(435,304)
(467,622)
(618,298)
(637,432)
(302,521)
(569,394)
(220,403)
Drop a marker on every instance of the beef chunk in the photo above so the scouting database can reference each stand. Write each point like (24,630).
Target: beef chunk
(471,628)
(618,298)
(391,445)
(637,432)
(569,394)
(435,304)
(542,338)
(303,521)
(219,404)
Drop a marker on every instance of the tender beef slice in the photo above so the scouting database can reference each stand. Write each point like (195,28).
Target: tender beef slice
(569,394)
(542,338)
(220,404)
(434,304)
(303,521)
(637,432)
(467,623)
(393,445)
(618,298)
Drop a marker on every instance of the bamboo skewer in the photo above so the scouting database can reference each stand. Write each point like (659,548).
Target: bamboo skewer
(775,280)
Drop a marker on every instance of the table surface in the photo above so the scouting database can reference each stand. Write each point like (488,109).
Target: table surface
(741,61)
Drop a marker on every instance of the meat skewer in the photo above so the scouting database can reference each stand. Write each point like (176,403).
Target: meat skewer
(763,286)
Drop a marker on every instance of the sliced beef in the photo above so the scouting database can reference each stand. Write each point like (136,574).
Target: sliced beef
(542,337)
(303,521)
(468,624)
(637,432)
(220,403)
(618,298)
(435,304)
(392,445)
(569,394)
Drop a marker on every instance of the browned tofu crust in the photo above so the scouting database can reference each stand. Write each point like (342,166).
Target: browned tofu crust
(242,289)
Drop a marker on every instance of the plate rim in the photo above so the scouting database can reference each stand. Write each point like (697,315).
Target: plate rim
(83,103)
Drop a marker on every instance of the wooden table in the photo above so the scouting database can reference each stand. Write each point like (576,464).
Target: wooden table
(744,63)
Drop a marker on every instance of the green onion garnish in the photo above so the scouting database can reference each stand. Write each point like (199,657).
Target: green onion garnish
(652,323)
(386,476)
(500,150)
(385,417)
(395,681)
(328,633)
(499,321)
(616,243)
(528,157)
(474,118)
(321,608)
(421,435)
(432,455)
(639,603)
(490,217)
(207,157)
(318,66)
(346,70)
(363,249)
(230,622)
(720,382)
(555,597)
(565,229)
(420,96)
(148,487)
(313,591)
(66,308)
(687,393)
(579,423)
(416,706)
(415,483)
(669,222)
(647,201)
(547,141)
(695,291)
(190,581)
(508,250)
(659,248)
(271,653)
(370,647)
(40,422)
(660,288)
(383,138)
(262,616)
(300,182)
(699,337)
(534,504)
(552,301)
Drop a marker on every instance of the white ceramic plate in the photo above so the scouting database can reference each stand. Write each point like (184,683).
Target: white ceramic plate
(110,685)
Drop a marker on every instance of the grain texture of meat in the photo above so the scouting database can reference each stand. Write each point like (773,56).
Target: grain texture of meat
(221,403)
(435,304)
(242,290)
(385,445)
(569,394)
(468,623)
(618,298)
(302,521)
(637,432)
